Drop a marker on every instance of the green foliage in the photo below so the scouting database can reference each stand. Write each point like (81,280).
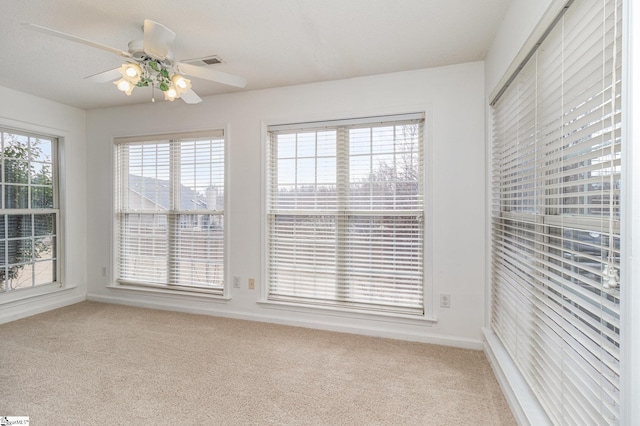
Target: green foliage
(154,74)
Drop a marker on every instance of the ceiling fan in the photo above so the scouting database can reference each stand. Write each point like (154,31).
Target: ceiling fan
(150,63)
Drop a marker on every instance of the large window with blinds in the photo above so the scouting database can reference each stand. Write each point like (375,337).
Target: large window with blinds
(169,219)
(556,216)
(345,208)
(29,212)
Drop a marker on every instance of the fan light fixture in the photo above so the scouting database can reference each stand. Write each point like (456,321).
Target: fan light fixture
(150,63)
(151,72)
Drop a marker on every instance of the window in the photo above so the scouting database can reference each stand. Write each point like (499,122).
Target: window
(345,208)
(29,217)
(556,216)
(170,212)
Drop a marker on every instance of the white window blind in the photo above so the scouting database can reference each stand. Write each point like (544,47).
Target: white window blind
(345,207)
(29,212)
(170,211)
(556,216)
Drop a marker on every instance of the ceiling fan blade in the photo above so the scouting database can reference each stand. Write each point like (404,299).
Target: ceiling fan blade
(190,97)
(211,75)
(157,39)
(105,76)
(73,38)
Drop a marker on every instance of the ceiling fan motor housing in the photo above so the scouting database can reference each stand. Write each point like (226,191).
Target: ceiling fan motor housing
(136,48)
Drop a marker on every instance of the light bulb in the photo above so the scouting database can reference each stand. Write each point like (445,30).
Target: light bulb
(181,84)
(124,86)
(170,94)
(131,72)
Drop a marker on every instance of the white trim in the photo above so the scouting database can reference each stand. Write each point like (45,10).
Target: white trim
(264,134)
(157,290)
(168,136)
(488,239)
(20,294)
(34,304)
(321,322)
(112,252)
(27,126)
(345,115)
(347,121)
(630,266)
(425,111)
(428,298)
(208,132)
(523,403)
(58,156)
(419,113)
(349,313)
(226,272)
(60,204)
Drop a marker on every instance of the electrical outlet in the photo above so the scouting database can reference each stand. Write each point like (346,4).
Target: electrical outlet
(236,282)
(252,283)
(104,271)
(445,300)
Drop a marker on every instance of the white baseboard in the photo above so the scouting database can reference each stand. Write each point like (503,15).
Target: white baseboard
(284,317)
(27,307)
(524,405)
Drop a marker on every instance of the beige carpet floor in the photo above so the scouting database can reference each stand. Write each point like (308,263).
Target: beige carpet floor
(101,364)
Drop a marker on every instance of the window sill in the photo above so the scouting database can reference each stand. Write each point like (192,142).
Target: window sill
(523,403)
(168,291)
(349,313)
(32,292)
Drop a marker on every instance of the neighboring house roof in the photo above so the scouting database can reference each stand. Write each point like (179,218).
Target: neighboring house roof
(156,191)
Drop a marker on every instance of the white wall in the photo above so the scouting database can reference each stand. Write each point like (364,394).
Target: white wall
(520,21)
(30,113)
(453,99)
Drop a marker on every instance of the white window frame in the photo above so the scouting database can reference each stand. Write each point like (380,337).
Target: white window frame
(58,258)
(221,293)
(630,380)
(427,314)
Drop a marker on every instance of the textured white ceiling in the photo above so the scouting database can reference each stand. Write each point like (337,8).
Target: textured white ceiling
(271,43)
